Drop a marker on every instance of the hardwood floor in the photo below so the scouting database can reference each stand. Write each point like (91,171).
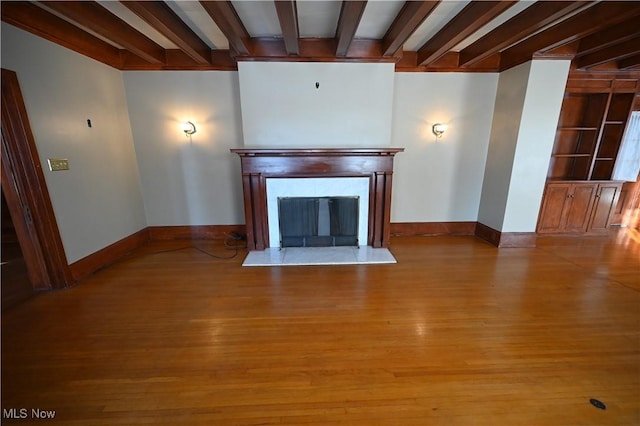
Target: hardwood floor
(456,333)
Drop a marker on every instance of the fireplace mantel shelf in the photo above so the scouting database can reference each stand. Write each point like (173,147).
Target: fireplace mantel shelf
(259,164)
(305,152)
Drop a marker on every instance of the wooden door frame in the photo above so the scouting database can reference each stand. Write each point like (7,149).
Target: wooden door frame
(27,196)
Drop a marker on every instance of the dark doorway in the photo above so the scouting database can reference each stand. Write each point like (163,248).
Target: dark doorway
(15,285)
(318,221)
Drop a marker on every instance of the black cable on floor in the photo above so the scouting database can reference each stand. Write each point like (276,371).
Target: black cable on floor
(227,244)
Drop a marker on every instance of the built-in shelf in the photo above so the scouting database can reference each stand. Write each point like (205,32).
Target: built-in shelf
(565,129)
(589,134)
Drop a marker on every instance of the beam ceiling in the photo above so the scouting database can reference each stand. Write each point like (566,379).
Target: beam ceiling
(599,35)
(162,18)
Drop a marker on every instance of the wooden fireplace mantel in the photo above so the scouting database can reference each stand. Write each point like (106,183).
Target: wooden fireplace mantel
(257,165)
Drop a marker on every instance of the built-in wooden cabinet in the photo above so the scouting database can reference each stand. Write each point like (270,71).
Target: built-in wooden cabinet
(580,196)
(604,206)
(627,212)
(578,207)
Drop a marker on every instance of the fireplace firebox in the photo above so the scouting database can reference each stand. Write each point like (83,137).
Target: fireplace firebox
(259,165)
(318,221)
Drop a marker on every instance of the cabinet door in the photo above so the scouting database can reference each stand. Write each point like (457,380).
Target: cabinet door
(578,211)
(553,205)
(605,201)
(627,205)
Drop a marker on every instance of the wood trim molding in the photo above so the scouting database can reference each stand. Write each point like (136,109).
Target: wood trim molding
(486,233)
(198,232)
(410,229)
(92,263)
(518,239)
(33,256)
(505,239)
(112,253)
(88,265)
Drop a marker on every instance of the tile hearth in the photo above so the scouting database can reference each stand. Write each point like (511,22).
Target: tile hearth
(296,256)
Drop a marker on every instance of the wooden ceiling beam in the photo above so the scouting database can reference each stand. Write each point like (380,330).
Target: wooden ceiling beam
(473,17)
(410,17)
(630,62)
(589,21)
(221,60)
(524,24)
(350,16)
(36,20)
(160,16)
(603,35)
(288,16)
(613,35)
(227,19)
(612,53)
(94,17)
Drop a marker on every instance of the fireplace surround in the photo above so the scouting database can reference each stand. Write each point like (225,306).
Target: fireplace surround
(357,187)
(258,165)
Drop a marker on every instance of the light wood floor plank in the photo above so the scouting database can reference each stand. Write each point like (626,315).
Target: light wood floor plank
(456,333)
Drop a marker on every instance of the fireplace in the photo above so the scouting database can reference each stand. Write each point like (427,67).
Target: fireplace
(365,173)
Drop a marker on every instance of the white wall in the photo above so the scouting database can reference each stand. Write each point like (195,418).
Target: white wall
(528,104)
(440,180)
(504,136)
(199,183)
(281,106)
(98,201)
(541,110)
(187,182)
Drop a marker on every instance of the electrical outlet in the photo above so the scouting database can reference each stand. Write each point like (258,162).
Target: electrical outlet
(57,164)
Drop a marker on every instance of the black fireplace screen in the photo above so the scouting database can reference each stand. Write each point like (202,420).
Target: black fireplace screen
(318,221)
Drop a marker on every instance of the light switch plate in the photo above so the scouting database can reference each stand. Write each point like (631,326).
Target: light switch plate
(57,164)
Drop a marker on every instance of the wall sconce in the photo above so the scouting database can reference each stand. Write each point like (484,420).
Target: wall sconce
(438,129)
(189,129)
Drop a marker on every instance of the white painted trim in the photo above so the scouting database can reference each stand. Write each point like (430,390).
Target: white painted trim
(317,187)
